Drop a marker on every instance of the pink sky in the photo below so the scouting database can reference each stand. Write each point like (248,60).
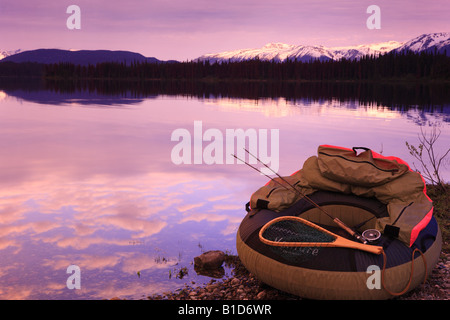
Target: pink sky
(186,29)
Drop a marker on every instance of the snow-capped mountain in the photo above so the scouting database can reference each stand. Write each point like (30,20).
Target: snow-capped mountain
(4,53)
(428,42)
(280,52)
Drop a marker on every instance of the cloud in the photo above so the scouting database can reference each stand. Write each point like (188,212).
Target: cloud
(132,263)
(228,207)
(81,243)
(197,217)
(6,242)
(180,29)
(218,198)
(190,206)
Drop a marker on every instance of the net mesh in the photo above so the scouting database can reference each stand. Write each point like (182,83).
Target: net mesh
(295,231)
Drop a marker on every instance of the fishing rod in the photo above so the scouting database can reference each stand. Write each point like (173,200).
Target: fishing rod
(341,224)
(261,172)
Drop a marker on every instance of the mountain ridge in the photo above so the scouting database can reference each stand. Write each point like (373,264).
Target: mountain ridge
(275,51)
(439,41)
(280,52)
(78,57)
(7,53)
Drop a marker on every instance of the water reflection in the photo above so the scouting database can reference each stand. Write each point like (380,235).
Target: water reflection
(397,96)
(93,186)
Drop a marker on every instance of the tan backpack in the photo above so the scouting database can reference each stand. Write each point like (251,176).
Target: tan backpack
(367,174)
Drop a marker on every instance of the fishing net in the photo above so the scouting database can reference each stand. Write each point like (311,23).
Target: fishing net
(291,231)
(289,239)
(296,238)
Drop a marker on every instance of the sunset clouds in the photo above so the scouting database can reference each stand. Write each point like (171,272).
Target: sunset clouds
(183,30)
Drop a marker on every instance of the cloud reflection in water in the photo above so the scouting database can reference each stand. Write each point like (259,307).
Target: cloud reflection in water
(95,186)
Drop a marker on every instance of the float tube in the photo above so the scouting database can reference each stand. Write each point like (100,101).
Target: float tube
(342,273)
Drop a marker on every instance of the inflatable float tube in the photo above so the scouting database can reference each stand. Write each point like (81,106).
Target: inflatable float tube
(334,273)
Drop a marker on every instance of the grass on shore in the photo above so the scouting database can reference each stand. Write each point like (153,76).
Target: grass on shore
(441,203)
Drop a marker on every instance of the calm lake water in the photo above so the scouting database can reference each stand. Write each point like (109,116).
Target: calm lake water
(88,177)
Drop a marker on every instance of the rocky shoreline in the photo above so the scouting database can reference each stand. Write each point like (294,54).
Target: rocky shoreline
(242,285)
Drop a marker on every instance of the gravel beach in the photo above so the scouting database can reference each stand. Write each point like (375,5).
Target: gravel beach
(244,286)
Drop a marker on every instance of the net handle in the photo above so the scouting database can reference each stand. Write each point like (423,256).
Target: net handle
(338,242)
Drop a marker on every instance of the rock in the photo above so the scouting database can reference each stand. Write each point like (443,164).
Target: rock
(211,287)
(210,260)
(262,295)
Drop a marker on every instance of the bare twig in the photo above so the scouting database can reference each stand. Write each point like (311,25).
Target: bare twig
(431,171)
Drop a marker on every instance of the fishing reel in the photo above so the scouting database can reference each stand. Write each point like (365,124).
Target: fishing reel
(371,235)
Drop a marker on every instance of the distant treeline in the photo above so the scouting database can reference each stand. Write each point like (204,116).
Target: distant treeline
(399,95)
(407,65)
(21,70)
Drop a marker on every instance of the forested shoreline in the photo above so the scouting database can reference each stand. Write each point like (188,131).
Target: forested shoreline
(406,66)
